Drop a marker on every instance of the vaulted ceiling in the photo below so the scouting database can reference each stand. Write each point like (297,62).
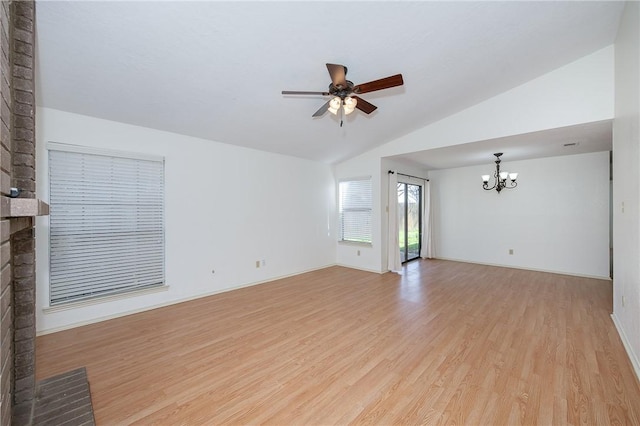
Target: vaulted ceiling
(215,70)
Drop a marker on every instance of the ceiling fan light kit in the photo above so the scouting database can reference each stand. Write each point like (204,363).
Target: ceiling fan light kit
(502,180)
(343,91)
(348,104)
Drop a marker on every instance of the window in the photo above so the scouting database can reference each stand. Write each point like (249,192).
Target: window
(106,223)
(355,210)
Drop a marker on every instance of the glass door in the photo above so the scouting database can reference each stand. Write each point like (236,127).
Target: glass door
(409,220)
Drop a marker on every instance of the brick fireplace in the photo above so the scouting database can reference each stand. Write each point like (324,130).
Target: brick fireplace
(17,243)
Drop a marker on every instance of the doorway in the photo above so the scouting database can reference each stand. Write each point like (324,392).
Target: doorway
(409,220)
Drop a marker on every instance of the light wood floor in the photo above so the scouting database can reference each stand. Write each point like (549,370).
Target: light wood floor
(447,343)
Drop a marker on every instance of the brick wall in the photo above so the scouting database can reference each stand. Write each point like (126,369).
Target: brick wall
(6,296)
(17,244)
(23,176)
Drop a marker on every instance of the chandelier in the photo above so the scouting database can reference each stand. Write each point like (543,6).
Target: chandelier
(501,179)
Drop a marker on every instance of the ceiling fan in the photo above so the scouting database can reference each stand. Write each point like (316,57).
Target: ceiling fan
(344,93)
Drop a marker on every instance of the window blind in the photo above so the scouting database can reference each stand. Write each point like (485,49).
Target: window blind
(106,224)
(355,210)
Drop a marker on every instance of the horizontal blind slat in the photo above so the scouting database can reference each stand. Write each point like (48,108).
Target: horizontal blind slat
(106,224)
(355,204)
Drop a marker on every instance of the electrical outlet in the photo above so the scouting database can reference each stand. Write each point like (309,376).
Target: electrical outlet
(257,263)
(510,251)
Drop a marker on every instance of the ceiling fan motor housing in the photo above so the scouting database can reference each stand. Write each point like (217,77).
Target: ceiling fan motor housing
(341,92)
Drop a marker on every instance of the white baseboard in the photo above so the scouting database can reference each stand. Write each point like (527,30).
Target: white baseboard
(627,346)
(163,304)
(597,277)
(361,269)
(186,299)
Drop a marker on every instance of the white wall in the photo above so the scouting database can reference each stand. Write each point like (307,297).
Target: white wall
(626,188)
(347,253)
(557,219)
(225,208)
(580,92)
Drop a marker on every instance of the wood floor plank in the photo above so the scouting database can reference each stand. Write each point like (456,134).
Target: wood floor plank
(445,343)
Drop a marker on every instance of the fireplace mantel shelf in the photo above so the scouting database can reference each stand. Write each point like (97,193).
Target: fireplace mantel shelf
(23,207)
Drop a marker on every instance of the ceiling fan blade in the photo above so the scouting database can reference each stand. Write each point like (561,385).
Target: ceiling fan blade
(296,92)
(383,83)
(364,106)
(338,74)
(322,110)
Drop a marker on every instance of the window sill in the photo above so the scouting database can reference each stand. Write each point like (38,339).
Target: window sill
(103,299)
(355,243)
